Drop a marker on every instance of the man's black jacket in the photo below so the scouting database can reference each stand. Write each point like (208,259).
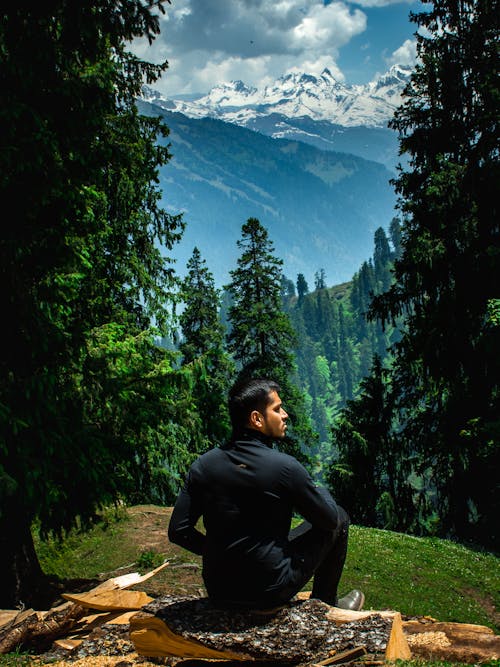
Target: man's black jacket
(247,493)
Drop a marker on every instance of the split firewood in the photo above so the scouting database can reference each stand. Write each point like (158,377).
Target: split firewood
(125,581)
(7,616)
(112,600)
(86,625)
(67,644)
(397,647)
(349,615)
(36,628)
(339,658)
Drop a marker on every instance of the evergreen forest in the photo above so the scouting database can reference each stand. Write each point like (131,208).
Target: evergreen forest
(115,370)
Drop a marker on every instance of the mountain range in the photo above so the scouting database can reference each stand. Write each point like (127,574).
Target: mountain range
(297,95)
(310,157)
(318,110)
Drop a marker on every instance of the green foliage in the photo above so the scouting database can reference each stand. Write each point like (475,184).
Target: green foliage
(149,559)
(82,276)
(336,342)
(17,658)
(84,551)
(370,475)
(203,351)
(422,576)
(261,337)
(139,403)
(446,278)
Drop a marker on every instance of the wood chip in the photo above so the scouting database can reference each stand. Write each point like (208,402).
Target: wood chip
(430,639)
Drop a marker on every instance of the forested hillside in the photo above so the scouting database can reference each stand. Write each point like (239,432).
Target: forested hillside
(336,342)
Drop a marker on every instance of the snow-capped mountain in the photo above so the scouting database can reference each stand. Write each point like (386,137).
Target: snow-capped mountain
(315,169)
(319,98)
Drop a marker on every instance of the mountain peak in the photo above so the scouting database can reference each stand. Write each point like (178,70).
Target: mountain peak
(303,94)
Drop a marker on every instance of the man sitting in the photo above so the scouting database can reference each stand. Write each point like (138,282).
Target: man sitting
(246,493)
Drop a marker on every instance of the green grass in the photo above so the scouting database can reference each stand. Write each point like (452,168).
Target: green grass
(84,554)
(423,576)
(16,659)
(416,576)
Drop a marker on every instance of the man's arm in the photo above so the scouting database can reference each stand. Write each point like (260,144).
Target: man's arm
(312,502)
(187,511)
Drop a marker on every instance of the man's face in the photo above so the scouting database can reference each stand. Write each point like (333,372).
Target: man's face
(274,417)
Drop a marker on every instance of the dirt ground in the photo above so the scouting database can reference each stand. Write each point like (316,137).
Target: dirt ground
(148,529)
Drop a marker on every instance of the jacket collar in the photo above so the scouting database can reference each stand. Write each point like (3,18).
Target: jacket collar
(256,437)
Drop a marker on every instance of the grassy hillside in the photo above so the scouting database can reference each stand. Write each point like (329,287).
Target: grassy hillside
(417,576)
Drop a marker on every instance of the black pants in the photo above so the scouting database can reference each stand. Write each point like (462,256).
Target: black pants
(317,553)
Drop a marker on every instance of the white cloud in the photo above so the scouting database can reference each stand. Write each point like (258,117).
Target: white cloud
(253,40)
(332,25)
(406,54)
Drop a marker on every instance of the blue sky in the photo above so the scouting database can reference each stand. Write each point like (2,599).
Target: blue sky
(388,39)
(207,42)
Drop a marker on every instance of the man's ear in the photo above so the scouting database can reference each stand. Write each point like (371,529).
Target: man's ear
(255,420)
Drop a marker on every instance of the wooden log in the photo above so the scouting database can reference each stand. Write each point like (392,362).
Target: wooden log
(55,622)
(153,638)
(13,633)
(397,646)
(299,632)
(37,628)
(453,642)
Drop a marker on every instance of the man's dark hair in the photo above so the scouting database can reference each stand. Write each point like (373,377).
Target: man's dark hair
(246,396)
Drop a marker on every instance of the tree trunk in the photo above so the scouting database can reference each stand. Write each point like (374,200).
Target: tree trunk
(23,582)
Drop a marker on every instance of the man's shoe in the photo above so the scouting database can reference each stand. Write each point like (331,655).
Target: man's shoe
(353,600)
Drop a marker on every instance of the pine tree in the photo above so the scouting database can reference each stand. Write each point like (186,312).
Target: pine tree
(287,292)
(261,337)
(82,274)
(346,362)
(302,287)
(395,234)
(320,279)
(202,348)
(447,276)
(371,472)
(381,261)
